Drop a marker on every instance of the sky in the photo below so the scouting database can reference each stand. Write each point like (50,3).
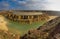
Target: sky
(30,5)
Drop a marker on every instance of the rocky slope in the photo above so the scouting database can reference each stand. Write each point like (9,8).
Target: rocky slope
(4,32)
(3,23)
(43,31)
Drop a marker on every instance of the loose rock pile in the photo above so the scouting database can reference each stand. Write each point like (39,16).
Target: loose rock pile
(8,35)
(55,34)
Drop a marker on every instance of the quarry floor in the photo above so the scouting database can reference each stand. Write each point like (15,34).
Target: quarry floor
(16,27)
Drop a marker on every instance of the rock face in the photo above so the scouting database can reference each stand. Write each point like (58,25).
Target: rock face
(46,31)
(56,33)
(4,32)
(3,24)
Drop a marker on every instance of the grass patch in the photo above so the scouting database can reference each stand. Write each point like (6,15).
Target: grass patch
(23,28)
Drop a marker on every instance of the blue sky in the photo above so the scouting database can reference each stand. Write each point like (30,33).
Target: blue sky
(30,5)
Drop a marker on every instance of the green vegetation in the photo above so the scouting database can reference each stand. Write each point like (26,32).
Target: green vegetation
(22,28)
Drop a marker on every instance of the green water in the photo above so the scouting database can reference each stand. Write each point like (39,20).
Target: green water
(23,28)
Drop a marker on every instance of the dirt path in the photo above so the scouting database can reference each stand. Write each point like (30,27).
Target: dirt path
(52,17)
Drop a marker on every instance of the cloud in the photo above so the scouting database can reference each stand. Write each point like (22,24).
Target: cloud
(33,4)
(22,2)
(4,5)
(53,5)
(14,0)
(43,4)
